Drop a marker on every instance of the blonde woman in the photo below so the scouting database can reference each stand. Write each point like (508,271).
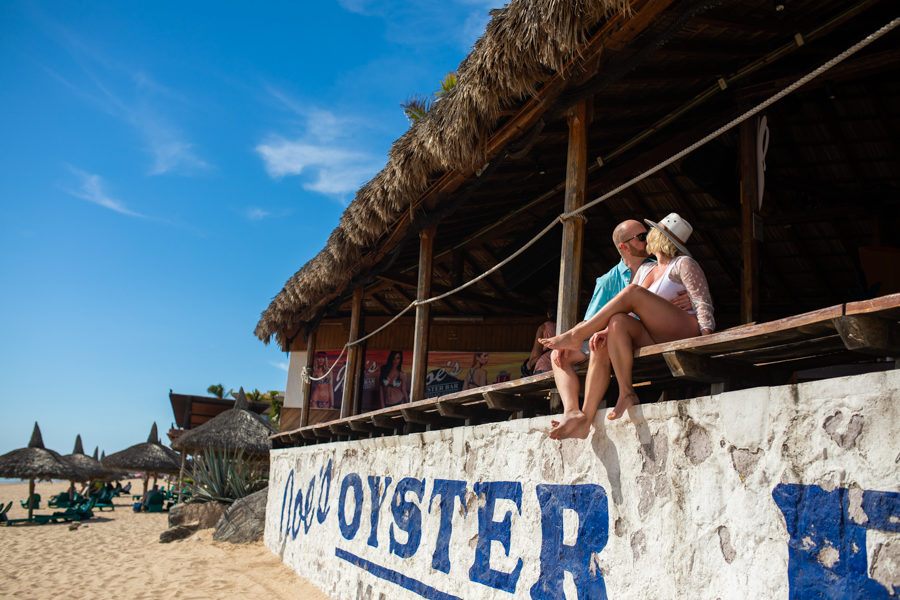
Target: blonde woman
(321,393)
(640,315)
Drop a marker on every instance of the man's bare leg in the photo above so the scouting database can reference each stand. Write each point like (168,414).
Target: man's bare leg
(567,384)
(595,386)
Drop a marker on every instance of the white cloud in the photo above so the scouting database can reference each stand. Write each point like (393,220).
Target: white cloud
(332,170)
(280,365)
(133,97)
(257,214)
(92,189)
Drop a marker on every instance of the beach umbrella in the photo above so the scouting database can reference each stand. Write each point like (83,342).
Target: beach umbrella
(36,462)
(90,467)
(150,457)
(237,428)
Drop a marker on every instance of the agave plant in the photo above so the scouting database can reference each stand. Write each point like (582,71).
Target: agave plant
(223,476)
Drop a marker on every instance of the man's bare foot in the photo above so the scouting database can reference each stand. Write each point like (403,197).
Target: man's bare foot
(624,403)
(563,341)
(572,424)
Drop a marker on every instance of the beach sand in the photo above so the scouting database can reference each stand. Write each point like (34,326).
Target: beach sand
(117,554)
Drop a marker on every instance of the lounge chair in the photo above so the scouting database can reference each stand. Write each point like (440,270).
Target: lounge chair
(155,503)
(36,500)
(104,500)
(61,500)
(77,513)
(3,511)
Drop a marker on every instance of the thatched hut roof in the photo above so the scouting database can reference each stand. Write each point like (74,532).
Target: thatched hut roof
(37,462)
(89,467)
(237,428)
(151,456)
(524,44)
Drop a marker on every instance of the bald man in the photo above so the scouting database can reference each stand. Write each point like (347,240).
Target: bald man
(630,238)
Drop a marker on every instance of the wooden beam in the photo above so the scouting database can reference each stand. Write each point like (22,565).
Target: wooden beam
(507,402)
(573,228)
(423,314)
(354,353)
(455,411)
(869,334)
(695,367)
(411,415)
(306,387)
(749,237)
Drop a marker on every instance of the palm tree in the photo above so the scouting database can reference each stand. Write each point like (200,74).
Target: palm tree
(217,390)
(417,106)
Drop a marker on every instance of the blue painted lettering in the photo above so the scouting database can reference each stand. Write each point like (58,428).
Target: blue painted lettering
(378,493)
(407,516)
(449,490)
(590,504)
(818,520)
(286,502)
(490,530)
(324,489)
(351,482)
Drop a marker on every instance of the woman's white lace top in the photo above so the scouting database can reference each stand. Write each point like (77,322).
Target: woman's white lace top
(686,272)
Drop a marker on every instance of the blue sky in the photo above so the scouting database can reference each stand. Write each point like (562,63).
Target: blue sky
(164,168)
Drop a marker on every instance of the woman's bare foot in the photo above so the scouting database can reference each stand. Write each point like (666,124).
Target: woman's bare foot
(624,403)
(563,341)
(572,424)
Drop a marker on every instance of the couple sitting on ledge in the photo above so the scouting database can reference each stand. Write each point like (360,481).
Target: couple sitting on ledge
(639,302)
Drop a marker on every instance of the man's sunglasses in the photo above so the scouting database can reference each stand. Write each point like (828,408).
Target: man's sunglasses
(641,237)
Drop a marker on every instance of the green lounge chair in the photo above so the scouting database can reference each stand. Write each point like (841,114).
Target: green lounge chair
(61,500)
(36,499)
(104,500)
(3,511)
(155,502)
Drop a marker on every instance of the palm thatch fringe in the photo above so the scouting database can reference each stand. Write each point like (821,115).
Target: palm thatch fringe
(524,44)
(237,428)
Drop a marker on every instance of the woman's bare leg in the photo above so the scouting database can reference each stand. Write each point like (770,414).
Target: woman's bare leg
(625,334)
(567,384)
(595,385)
(663,320)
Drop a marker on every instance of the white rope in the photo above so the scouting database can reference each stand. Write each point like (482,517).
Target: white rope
(730,125)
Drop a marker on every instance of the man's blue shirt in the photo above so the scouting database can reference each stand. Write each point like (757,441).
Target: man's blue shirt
(608,285)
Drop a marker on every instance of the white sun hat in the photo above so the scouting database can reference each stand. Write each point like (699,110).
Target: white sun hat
(676,229)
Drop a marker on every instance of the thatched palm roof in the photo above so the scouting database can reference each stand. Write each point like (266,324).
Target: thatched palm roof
(524,44)
(151,456)
(237,428)
(37,462)
(89,467)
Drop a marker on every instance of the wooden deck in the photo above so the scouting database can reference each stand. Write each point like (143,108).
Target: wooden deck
(751,355)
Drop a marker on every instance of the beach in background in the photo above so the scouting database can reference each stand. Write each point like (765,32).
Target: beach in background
(117,554)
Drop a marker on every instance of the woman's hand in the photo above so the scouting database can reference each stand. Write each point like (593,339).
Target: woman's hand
(598,340)
(705,331)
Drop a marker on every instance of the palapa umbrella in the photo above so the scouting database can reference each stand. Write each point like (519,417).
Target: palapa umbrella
(151,457)
(237,428)
(36,462)
(90,467)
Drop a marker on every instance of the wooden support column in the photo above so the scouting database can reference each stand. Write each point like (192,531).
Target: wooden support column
(351,372)
(423,313)
(573,229)
(306,388)
(750,223)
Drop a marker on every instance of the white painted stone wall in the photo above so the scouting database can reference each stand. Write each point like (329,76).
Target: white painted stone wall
(677,501)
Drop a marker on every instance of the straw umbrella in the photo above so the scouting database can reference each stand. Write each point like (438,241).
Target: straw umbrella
(89,467)
(150,457)
(237,428)
(36,462)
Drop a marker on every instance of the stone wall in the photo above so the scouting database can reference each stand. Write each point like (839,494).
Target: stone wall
(784,492)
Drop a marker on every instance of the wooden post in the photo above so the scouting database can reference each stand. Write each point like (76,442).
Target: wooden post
(423,312)
(181,476)
(573,229)
(749,223)
(306,388)
(351,372)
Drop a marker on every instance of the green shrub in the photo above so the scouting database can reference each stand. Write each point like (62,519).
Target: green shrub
(226,476)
